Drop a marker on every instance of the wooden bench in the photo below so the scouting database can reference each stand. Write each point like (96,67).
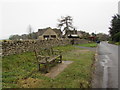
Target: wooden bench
(46,57)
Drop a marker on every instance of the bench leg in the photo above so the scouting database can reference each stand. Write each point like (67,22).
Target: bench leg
(38,67)
(46,68)
(60,58)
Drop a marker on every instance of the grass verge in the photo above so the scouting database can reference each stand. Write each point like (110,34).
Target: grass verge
(112,42)
(76,75)
(88,45)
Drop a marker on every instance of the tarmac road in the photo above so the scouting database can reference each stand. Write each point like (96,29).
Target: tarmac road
(106,72)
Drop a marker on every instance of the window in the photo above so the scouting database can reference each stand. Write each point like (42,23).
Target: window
(46,36)
(53,36)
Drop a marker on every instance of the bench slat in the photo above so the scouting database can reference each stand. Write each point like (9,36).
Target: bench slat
(43,61)
(53,58)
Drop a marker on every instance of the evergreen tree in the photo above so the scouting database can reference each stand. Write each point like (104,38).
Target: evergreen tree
(115,27)
(66,23)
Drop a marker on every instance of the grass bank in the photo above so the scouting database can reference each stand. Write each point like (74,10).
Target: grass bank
(76,75)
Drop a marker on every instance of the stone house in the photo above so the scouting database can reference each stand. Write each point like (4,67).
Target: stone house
(49,33)
(79,33)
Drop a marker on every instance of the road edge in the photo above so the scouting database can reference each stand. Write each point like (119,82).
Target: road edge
(94,67)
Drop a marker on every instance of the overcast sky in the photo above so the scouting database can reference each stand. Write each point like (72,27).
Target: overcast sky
(88,15)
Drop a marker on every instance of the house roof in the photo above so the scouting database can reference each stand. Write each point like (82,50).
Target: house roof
(41,31)
(58,31)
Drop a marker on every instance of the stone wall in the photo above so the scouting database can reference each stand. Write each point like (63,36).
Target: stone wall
(16,47)
(80,41)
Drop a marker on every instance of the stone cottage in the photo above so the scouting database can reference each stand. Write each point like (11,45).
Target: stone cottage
(49,33)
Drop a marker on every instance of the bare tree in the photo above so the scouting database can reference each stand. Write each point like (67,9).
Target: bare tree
(29,32)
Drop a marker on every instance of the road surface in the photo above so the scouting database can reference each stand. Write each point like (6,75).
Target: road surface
(106,72)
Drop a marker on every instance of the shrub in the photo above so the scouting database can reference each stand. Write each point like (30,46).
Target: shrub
(116,37)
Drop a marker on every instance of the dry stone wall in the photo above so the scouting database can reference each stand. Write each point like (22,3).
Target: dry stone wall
(17,47)
(80,41)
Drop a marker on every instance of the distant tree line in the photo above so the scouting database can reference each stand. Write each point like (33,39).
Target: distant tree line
(32,35)
(102,37)
(85,35)
(115,28)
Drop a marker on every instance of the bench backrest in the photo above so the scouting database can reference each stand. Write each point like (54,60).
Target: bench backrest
(44,51)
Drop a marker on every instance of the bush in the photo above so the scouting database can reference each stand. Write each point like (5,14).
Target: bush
(117,43)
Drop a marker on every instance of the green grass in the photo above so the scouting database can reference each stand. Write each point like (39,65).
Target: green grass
(117,43)
(16,67)
(88,45)
(65,48)
(76,75)
(112,42)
